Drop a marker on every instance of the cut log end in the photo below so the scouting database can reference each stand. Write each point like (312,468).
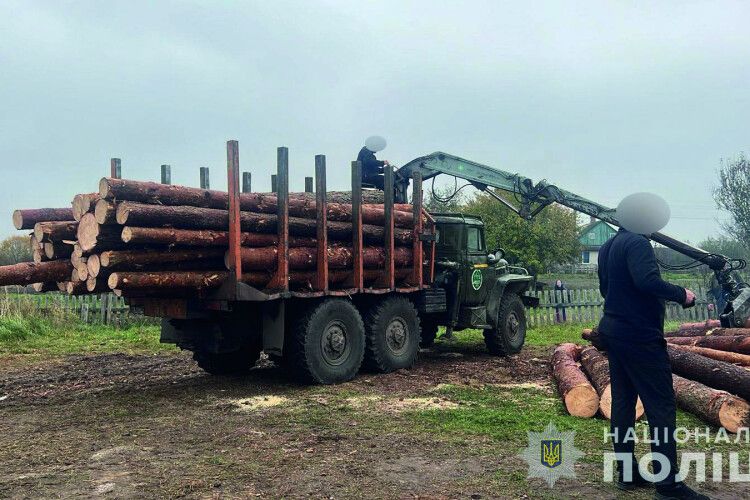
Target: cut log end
(582,401)
(18,219)
(734,414)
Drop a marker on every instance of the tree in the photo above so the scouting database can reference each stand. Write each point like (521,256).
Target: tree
(549,239)
(15,249)
(445,199)
(733,195)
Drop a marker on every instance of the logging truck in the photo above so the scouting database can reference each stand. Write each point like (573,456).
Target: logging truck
(371,308)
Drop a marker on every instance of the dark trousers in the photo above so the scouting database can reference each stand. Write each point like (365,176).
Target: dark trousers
(376,180)
(642,369)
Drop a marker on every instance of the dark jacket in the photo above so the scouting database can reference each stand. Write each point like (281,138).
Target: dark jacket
(634,293)
(371,166)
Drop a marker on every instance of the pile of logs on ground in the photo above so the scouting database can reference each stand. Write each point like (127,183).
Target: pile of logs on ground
(150,239)
(711,375)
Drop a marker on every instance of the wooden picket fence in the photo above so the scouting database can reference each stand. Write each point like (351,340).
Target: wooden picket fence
(587,305)
(106,308)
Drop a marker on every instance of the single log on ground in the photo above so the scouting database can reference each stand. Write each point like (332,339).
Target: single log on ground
(166,194)
(166,280)
(735,343)
(55,231)
(203,238)
(130,259)
(105,212)
(713,373)
(48,286)
(57,250)
(27,219)
(189,217)
(708,332)
(76,288)
(339,257)
(94,236)
(83,204)
(579,396)
(97,285)
(27,273)
(597,367)
(692,329)
(728,357)
(716,407)
(94,265)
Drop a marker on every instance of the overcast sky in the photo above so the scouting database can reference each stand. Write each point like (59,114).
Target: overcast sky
(601,98)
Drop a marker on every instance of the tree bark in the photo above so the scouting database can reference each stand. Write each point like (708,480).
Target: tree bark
(27,273)
(57,250)
(597,367)
(194,280)
(736,343)
(83,204)
(131,259)
(713,373)
(105,212)
(579,397)
(715,407)
(339,257)
(189,217)
(55,231)
(27,219)
(94,236)
(705,332)
(203,238)
(728,357)
(165,194)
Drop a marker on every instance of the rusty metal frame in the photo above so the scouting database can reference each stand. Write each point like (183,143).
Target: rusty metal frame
(233,179)
(357,282)
(418,229)
(280,280)
(388,281)
(321,206)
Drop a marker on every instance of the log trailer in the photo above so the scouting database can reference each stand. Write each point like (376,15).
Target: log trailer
(378,318)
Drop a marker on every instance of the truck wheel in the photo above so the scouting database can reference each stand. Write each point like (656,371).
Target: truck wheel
(429,333)
(392,335)
(326,344)
(227,363)
(510,333)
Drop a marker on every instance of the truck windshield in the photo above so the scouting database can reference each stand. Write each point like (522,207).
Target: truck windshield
(449,235)
(474,241)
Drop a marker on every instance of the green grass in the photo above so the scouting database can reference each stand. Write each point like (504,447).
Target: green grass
(36,334)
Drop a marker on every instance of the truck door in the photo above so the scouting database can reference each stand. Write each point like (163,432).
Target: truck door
(478,276)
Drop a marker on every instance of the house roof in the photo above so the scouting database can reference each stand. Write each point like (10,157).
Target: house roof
(599,232)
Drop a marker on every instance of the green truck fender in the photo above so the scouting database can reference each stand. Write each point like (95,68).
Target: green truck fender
(509,283)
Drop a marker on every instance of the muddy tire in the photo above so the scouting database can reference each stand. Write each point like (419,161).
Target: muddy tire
(392,335)
(326,345)
(509,335)
(429,332)
(228,363)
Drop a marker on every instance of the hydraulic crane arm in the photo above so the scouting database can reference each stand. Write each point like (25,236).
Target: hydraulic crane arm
(531,198)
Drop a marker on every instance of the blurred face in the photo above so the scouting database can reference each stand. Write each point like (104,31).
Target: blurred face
(558,283)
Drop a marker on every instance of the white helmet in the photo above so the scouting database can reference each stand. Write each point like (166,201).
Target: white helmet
(643,213)
(375,143)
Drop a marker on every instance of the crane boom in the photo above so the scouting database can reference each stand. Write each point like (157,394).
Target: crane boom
(531,198)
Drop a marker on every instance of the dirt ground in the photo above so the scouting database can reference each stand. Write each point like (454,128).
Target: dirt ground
(155,426)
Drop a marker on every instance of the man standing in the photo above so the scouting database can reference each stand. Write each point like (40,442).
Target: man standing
(632,329)
(372,168)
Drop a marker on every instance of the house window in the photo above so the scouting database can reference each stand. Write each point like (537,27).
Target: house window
(592,236)
(585,257)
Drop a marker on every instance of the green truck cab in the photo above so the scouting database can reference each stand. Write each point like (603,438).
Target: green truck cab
(481,289)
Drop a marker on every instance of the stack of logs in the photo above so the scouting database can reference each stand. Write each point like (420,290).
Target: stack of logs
(150,239)
(710,366)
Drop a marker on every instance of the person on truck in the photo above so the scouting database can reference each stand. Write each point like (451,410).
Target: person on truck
(632,331)
(372,168)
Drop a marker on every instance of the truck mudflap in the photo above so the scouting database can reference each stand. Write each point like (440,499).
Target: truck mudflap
(514,283)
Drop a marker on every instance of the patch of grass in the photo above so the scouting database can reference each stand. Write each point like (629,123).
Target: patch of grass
(35,334)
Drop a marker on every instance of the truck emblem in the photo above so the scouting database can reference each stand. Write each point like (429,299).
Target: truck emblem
(476,279)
